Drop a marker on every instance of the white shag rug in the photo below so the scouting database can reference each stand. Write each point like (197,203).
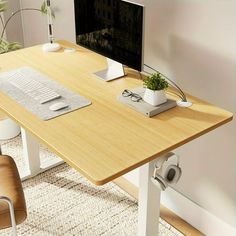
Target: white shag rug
(61,202)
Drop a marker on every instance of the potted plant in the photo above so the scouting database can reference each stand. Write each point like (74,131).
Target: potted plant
(155,86)
(5,45)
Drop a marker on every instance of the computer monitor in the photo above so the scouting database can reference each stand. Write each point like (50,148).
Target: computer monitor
(114,29)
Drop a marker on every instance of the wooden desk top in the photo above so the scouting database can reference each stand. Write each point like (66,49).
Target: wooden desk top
(106,139)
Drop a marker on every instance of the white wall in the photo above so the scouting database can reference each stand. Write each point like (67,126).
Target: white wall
(14,28)
(35,24)
(193,42)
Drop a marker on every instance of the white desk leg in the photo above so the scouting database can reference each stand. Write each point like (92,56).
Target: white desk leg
(30,152)
(149,202)
(32,158)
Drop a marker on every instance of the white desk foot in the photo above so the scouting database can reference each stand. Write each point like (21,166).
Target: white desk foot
(149,202)
(31,157)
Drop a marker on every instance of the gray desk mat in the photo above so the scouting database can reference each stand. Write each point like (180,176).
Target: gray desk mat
(143,107)
(42,111)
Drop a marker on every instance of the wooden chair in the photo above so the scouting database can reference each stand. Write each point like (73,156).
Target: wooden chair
(12,200)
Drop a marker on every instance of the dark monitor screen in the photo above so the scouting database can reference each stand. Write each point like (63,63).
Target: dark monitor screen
(113,28)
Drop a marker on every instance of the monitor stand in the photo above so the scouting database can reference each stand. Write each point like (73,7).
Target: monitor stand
(115,70)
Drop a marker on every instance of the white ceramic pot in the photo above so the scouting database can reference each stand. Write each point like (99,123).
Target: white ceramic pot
(154,97)
(8,129)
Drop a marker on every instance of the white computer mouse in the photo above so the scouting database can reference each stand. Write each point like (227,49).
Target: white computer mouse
(58,106)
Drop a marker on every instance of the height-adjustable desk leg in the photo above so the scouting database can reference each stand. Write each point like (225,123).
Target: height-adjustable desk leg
(30,153)
(149,202)
(32,158)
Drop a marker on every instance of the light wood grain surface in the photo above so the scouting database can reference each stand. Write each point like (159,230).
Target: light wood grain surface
(2,116)
(106,139)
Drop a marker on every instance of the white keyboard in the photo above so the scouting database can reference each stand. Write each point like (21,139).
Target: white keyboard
(32,87)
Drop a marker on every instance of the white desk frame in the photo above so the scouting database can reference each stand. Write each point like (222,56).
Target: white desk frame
(149,194)
(32,158)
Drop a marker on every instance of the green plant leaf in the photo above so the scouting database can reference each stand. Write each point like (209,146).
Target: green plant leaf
(6,46)
(44,9)
(3,5)
(3,47)
(14,46)
(155,82)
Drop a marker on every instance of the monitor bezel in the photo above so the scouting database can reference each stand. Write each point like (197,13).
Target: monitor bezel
(143,37)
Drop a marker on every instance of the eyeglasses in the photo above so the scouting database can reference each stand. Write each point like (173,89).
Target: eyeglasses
(134,96)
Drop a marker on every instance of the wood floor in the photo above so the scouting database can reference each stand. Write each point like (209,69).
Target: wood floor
(167,215)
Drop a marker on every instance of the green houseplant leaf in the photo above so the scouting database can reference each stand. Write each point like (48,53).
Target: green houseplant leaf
(12,46)
(155,82)
(44,9)
(6,46)
(3,5)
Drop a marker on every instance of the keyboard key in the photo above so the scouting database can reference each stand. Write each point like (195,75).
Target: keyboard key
(33,88)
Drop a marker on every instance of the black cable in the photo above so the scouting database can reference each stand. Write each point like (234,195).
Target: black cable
(183,97)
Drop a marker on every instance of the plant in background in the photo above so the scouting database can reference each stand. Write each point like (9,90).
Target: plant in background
(5,45)
(155,82)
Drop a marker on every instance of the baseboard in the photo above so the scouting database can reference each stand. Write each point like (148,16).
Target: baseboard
(198,217)
(167,215)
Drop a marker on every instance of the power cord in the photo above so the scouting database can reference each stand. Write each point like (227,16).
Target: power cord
(184,102)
